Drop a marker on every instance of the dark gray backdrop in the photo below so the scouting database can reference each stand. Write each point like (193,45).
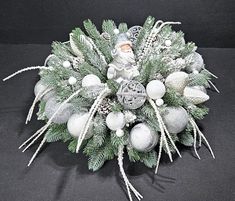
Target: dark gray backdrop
(210,23)
(57,174)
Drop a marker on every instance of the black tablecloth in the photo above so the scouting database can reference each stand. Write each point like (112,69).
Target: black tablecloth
(57,174)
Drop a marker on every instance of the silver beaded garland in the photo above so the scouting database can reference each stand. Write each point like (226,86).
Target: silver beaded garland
(131,95)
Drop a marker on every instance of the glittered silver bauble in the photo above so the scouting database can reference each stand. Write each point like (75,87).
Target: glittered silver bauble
(64,113)
(143,138)
(177,81)
(175,119)
(195,61)
(196,96)
(131,94)
(40,87)
(134,33)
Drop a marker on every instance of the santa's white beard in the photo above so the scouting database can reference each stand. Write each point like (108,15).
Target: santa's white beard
(126,56)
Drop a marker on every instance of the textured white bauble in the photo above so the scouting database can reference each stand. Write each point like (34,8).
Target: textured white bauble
(155,89)
(66,64)
(168,43)
(175,119)
(64,113)
(115,120)
(72,80)
(196,96)
(76,124)
(177,81)
(91,80)
(196,62)
(159,102)
(143,138)
(41,87)
(201,88)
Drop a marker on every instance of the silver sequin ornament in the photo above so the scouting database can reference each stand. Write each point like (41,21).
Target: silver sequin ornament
(131,95)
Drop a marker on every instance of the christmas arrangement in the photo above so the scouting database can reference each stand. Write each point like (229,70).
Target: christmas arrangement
(139,89)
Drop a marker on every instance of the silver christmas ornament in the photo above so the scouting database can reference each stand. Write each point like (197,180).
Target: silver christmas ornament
(177,81)
(131,94)
(115,121)
(196,96)
(143,138)
(64,113)
(40,87)
(175,119)
(195,62)
(134,33)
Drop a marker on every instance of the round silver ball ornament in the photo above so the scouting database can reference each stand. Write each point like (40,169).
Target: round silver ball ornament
(196,62)
(175,119)
(40,87)
(115,121)
(131,95)
(64,113)
(143,138)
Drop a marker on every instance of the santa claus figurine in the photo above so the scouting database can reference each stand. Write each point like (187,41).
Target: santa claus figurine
(123,67)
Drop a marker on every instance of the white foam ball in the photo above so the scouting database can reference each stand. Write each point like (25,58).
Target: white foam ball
(196,62)
(168,43)
(119,132)
(91,80)
(66,64)
(176,119)
(72,80)
(142,137)
(76,124)
(115,120)
(155,89)
(116,31)
(159,102)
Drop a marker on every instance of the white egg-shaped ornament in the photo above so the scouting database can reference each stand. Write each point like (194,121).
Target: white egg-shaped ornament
(201,88)
(155,89)
(40,87)
(195,61)
(62,115)
(91,80)
(76,123)
(115,121)
(177,81)
(143,138)
(175,119)
(196,96)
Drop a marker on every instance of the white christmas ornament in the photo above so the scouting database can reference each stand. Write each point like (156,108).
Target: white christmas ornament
(143,138)
(155,89)
(115,121)
(168,43)
(177,81)
(176,119)
(76,124)
(159,102)
(119,132)
(196,96)
(72,80)
(91,80)
(201,88)
(40,87)
(64,113)
(116,31)
(66,64)
(196,62)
